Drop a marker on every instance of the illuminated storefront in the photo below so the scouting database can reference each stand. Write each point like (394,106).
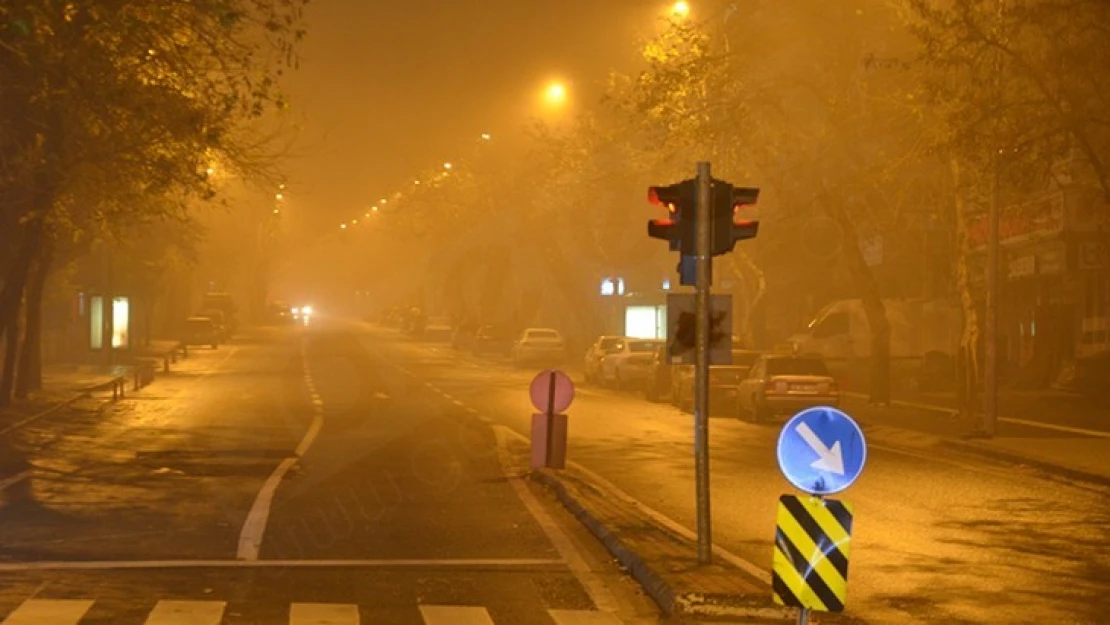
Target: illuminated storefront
(121,322)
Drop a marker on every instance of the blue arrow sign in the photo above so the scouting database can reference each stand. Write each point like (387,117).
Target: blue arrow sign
(821,451)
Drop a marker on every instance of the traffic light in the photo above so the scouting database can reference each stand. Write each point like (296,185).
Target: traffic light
(678,228)
(727,203)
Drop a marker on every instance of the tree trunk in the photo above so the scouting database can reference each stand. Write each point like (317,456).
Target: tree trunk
(754,290)
(873,308)
(29,372)
(968,359)
(11,306)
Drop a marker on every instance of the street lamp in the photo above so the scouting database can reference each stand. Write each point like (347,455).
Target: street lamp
(486,136)
(342,226)
(680,9)
(556,94)
(447,165)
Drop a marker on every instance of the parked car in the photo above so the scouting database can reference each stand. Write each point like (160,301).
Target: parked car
(438,330)
(723,380)
(785,384)
(201,331)
(592,364)
(220,322)
(657,383)
(490,339)
(627,363)
(539,345)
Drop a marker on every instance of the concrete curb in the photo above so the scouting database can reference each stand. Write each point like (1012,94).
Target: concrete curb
(672,603)
(971,447)
(654,585)
(994,453)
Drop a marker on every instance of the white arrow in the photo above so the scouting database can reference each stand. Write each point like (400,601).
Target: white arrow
(830,460)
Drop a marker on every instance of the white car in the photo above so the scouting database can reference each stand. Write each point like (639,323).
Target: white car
(628,362)
(539,345)
(594,355)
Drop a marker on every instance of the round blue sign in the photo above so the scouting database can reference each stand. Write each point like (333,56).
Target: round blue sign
(821,451)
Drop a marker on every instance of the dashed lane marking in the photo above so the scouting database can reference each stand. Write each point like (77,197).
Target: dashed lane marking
(457,403)
(380,395)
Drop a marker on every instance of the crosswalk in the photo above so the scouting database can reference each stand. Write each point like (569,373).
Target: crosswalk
(72,611)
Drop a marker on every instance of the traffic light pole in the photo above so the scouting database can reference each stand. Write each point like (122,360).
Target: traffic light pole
(701,363)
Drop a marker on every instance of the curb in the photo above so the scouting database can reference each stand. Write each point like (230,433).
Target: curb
(982,450)
(654,585)
(1017,458)
(690,604)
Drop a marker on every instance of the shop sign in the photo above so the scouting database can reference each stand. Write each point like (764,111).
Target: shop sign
(1041,218)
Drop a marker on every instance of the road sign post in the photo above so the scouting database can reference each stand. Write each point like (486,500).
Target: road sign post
(701,365)
(702,223)
(821,451)
(551,392)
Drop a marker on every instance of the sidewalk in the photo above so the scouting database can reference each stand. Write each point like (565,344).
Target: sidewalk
(663,559)
(1077,453)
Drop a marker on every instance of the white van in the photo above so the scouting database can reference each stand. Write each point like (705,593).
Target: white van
(924,337)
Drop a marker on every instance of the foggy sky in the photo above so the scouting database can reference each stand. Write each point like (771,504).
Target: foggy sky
(387,89)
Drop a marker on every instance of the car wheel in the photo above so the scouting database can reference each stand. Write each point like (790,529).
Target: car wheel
(757,414)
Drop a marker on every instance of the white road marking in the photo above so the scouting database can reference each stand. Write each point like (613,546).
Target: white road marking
(380,395)
(457,403)
(108,565)
(595,587)
(323,614)
(583,617)
(472,410)
(454,615)
(764,575)
(187,613)
(254,528)
(1058,428)
(49,612)
(1026,422)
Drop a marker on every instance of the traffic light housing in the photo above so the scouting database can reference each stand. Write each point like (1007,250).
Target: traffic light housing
(727,203)
(678,228)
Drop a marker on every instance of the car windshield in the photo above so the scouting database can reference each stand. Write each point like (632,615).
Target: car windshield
(744,359)
(796,366)
(609,343)
(641,346)
(546,335)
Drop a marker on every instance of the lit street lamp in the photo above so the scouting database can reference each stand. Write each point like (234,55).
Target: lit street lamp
(556,94)
(680,9)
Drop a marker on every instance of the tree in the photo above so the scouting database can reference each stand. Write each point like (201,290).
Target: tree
(116,100)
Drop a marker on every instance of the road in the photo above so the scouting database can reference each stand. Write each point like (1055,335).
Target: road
(944,539)
(296,475)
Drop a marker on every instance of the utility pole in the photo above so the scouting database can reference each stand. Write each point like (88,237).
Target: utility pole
(704,270)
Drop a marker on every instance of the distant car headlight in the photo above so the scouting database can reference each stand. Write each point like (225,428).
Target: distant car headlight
(307,310)
(296,311)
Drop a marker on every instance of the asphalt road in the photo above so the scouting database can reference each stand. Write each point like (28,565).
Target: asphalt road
(938,538)
(294,476)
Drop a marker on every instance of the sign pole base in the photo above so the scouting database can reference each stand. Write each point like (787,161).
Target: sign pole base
(803,616)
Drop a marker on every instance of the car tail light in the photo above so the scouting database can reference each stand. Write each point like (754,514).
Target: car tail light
(775,386)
